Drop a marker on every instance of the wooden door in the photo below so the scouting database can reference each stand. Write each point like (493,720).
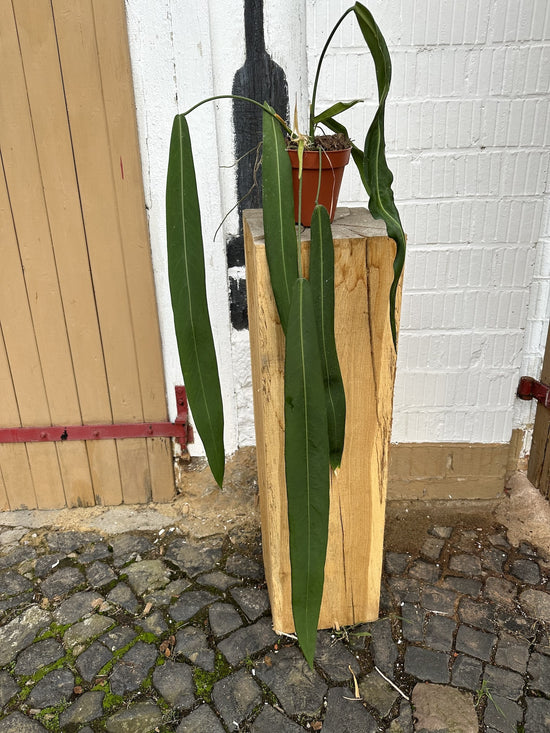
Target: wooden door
(79,335)
(538,471)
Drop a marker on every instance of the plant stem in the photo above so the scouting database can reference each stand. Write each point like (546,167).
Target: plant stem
(318,71)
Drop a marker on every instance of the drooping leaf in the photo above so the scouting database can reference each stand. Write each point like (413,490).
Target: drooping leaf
(377,175)
(306,466)
(321,278)
(189,302)
(278,203)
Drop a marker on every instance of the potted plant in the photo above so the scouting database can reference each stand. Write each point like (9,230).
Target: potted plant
(314,398)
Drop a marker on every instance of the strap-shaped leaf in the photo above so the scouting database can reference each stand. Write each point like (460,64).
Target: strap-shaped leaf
(306,466)
(377,174)
(189,302)
(278,203)
(334,110)
(321,278)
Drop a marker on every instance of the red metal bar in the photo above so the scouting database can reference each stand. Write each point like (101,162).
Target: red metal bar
(178,429)
(530,388)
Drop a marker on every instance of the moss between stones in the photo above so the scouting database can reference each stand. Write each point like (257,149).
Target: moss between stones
(205,681)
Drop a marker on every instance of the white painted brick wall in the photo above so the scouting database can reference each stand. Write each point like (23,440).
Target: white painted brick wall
(468,138)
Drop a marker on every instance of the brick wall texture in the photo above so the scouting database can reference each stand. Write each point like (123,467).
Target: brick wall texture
(468,139)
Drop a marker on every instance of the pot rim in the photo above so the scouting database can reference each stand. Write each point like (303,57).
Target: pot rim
(329,158)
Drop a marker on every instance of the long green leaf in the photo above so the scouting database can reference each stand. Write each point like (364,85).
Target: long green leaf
(334,110)
(278,203)
(321,277)
(306,466)
(376,172)
(189,302)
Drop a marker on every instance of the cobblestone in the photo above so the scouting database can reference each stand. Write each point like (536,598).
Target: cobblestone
(150,630)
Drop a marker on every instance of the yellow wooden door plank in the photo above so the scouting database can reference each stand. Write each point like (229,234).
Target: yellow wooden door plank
(118,97)
(105,471)
(161,466)
(17,486)
(135,475)
(47,102)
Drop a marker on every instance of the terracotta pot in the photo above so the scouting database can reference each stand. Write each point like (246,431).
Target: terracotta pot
(333,163)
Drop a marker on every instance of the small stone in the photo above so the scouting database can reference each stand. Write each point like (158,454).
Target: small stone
(100,574)
(118,637)
(426,664)
(466,672)
(19,633)
(86,708)
(19,723)
(247,641)
(537,717)
(154,623)
(504,715)
(127,547)
(122,596)
(383,647)
(62,581)
(217,579)
(526,549)
(405,590)
(346,716)
(53,689)
(480,615)
(272,721)
(86,630)
(95,551)
(442,532)
(46,564)
(536,604)
(8,688)
(142,716)
(499,540)
(512,653)
(133,667)
(476,643)
(432,548)
(67,542)
(243,567)
(438,708)
(253,602)
(201,720)
(192,643)
(12,584)
(439,632)
(190,603)
(92,660)
(147,576)
(299,689)
(38,655)
(174,681)
(493,559)
(439,599)
(334,659)
(192,558)
(507,683)
(235,697)
(412,621)
(526,570)
(466,564)
(224,619)
(468,586)
(76,607)
(424,571)
(396,563)
(404,722)
(500,591)
(539,671)
(165,596)
(378,693)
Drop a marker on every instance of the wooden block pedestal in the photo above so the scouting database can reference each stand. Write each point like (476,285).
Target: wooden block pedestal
(363,276)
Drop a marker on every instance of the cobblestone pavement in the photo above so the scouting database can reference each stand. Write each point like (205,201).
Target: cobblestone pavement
(146,631)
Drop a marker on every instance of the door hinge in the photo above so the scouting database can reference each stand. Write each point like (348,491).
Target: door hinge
(530,388)
(179,429)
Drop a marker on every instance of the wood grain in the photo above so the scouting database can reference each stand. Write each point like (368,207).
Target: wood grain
(363,276)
